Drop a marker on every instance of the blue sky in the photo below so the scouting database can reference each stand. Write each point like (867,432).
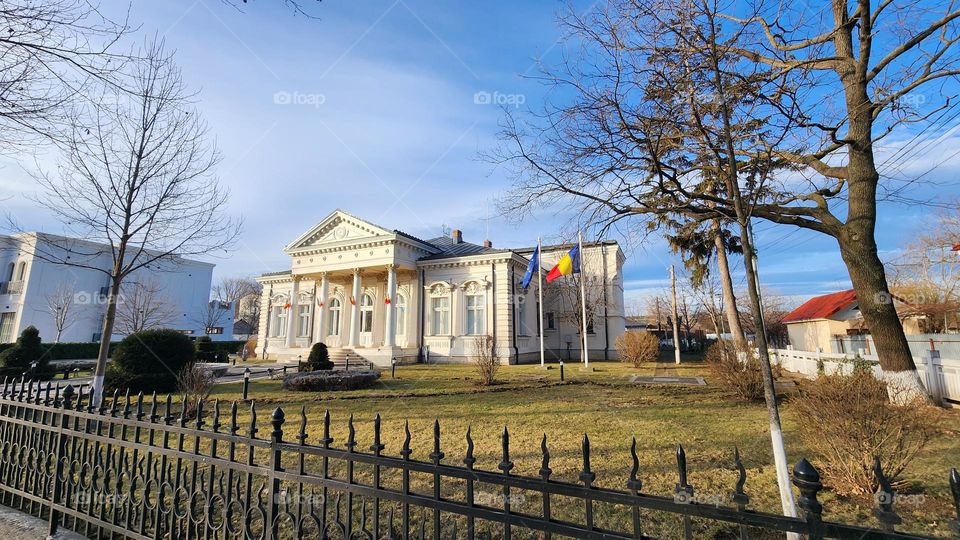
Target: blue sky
(372,109)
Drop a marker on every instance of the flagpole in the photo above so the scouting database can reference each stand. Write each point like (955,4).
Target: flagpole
(583,303)
(543,362)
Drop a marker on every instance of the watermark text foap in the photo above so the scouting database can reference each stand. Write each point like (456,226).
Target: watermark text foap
(484,97)
(284,97)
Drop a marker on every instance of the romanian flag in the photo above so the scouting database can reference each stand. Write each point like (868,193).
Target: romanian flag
(569,264)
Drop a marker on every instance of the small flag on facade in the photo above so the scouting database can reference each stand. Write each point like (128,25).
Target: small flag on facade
(534,266)
(569,264)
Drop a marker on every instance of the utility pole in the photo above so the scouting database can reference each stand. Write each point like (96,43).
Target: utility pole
(676,324)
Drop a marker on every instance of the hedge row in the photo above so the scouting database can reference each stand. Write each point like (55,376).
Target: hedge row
(90,350)
(229,347)
(68,351)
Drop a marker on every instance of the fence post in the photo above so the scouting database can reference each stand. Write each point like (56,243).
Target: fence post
(276,465)
(933,369)
(61,450)
(807,480)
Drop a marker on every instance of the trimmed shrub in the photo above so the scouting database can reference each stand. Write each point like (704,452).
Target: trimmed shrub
(319,359)
(150,361)
(19,359)
(848,421)
(638,347)
(744,378)
(322,381)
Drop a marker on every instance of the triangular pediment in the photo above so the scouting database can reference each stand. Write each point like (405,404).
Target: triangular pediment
(337,228)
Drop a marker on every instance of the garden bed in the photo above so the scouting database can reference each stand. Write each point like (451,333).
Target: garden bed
(322,381)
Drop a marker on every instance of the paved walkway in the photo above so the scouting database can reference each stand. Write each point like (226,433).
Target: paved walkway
(666,373)
(15,525)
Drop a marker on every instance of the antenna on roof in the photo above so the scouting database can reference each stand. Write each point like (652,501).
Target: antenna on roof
(445,230)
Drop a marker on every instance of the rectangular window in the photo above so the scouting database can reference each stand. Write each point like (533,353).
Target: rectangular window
(279,322)
(551,324)
(475,315)
(440,325)
(6,327)
(303,320)
(522,316)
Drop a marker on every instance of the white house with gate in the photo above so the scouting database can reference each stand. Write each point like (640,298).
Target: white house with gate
(29,280)
(383,294)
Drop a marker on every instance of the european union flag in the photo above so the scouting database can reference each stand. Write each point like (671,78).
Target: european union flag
(534,266)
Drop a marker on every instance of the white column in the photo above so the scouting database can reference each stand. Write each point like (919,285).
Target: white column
(353,338)
(391,339)
(320,313)
(292,313)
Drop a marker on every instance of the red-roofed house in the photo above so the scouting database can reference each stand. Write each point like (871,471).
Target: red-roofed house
(816,323)
(823,322)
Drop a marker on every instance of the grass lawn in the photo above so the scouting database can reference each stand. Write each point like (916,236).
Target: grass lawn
(709,421)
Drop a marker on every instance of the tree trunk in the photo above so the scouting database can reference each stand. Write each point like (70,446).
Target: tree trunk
(108,321)
(856,237)
(726,285)
(876,306)
(769,389)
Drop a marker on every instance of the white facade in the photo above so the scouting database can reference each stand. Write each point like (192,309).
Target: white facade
(28,279)
(387,295)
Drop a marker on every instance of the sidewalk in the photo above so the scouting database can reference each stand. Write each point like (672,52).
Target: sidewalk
(15,525)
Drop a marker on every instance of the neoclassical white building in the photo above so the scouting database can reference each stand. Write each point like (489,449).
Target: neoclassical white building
(384,294)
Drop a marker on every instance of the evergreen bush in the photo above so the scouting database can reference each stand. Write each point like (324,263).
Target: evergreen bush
(19,359)
(149,361)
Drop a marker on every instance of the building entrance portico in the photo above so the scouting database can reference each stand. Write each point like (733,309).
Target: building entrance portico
(347,278)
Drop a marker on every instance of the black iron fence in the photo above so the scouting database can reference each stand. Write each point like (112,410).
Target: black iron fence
(139,468)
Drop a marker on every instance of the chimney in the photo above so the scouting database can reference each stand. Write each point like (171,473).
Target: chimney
(457,236)
(487,244)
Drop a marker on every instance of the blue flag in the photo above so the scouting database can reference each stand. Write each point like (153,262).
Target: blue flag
(534,266)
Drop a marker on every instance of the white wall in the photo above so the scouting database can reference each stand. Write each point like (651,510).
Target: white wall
(185,285)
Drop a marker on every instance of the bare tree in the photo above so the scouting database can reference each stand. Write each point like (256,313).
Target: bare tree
(776,306)
(567,291)
(484,352)
(925,274)
(143,306)
(59,304)
(51,53)
(665,124)
(244,294)
(137,177)
(214,314)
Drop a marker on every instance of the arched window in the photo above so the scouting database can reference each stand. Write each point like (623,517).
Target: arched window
(10,271)
(401,307)
(22,273)
(334,329)
(366,313)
